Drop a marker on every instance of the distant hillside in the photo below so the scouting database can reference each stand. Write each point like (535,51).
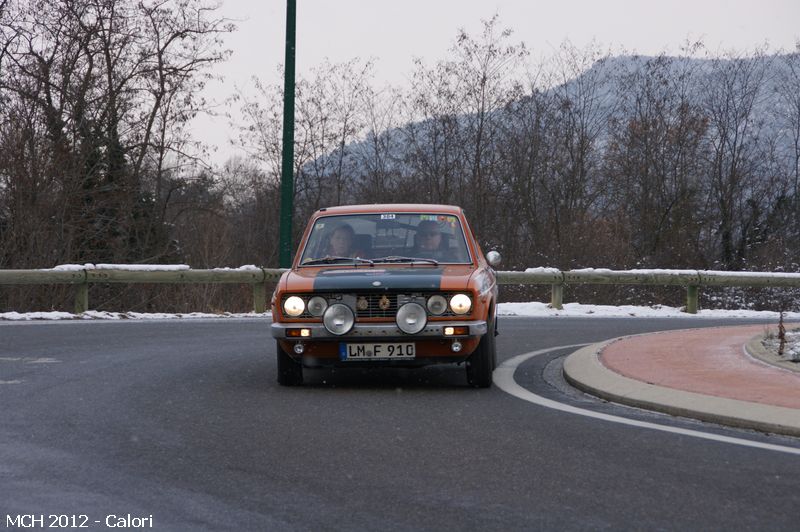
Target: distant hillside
(608,78)
(637,161)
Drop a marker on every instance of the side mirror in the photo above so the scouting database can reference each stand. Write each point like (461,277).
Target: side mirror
(493,258)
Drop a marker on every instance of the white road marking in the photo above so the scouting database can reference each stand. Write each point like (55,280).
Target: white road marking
(11,382)
(503,377)
(30,360)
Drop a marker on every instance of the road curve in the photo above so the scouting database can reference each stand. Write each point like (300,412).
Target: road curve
(183,421)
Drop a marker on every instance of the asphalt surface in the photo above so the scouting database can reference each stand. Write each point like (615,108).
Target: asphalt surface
(183,421)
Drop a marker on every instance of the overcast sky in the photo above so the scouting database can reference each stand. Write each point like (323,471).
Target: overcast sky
(394,32)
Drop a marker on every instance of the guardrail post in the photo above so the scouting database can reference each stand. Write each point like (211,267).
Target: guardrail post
(81,297)
(557,296)
(691,299)
(259,298)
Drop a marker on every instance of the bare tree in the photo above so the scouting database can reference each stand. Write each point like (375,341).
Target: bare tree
(652,161)
(788,116)
(94,99)
(432,134)
(732,90)
(455,117)
(110,85)
(487,70)
(378,156)
(525,151)
(329,118)
(584,103)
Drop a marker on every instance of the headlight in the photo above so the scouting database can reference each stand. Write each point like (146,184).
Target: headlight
(317,305)
(293,306)
(338,319)
(411,318)
(437,305)
(460,303)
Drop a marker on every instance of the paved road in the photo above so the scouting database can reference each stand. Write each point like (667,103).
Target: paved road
(183,421)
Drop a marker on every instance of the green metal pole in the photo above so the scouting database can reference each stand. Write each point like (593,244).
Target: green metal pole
(81,297)
(259,298)
(557,296)
(287,181)
(691,299)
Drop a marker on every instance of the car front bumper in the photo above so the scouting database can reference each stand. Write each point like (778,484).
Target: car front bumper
(361,331)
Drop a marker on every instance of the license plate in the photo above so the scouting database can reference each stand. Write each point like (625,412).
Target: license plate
(376,351)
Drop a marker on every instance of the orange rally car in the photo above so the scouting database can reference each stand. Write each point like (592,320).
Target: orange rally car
(396,285)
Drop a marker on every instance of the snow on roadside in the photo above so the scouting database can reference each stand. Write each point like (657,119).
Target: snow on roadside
(102,315)
(146,267)
(792,349)
(532,309)
(536,309)
(16,316)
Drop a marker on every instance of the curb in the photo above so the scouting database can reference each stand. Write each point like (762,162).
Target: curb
(756,349)
(584,370)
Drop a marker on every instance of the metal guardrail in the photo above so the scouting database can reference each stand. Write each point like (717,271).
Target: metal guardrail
(81,278)
(692,280)
(259,278)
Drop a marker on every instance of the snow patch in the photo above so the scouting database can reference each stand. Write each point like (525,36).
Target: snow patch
(553,271)
(246,268)
(103,315)
(656,271)
(144,267)
(72,267)
(531,309)
(764,275)
(27,316)
(536,309)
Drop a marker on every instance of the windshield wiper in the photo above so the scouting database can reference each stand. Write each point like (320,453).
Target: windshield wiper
(331,259)
(396,258)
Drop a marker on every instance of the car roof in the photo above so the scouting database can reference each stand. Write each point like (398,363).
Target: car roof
(391,207)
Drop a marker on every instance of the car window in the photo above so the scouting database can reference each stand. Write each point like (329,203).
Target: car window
(388,236)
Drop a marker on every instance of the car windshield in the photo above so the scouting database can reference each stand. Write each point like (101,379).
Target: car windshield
(387,237)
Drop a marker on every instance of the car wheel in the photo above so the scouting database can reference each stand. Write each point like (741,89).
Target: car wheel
(481,362)
(290,372)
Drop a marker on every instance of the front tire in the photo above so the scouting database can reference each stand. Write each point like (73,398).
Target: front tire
(290,372)
(482,361)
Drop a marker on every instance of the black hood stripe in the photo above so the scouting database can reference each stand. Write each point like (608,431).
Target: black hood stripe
(418,278)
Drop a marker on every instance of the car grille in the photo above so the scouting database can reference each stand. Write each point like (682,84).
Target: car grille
(374,304)
(373,309)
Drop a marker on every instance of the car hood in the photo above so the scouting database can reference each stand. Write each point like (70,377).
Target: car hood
(379,278)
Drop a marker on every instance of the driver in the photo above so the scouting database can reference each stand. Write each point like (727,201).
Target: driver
(428,242)
(340,242)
